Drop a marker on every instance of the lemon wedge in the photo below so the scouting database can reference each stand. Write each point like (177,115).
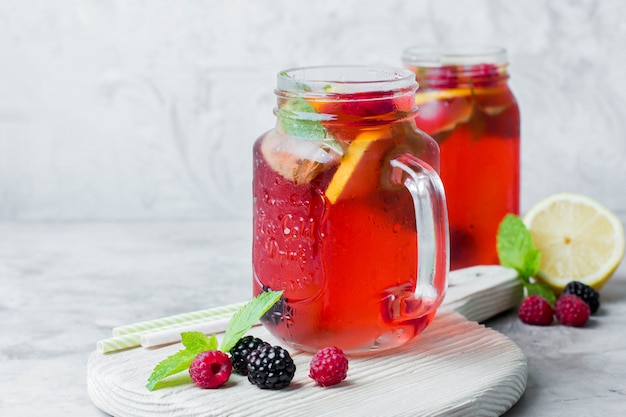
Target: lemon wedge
(352,157)
(579,238)
(422,97)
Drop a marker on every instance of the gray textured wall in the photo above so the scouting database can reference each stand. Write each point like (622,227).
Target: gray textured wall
(148,109)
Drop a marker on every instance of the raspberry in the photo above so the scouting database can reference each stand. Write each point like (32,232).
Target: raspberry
(585,292)
(210,369)
(535,310)
(270,367)
(329,366)
(571,310)
(240,352)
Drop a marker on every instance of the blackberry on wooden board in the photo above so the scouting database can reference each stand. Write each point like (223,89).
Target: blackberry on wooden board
(240,352)
(270,367)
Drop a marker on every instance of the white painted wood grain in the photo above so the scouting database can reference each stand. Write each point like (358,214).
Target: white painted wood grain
(456,367)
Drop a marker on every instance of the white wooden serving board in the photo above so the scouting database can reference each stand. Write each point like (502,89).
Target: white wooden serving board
(456,367)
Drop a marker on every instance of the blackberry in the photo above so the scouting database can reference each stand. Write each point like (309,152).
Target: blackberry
(586,293)
(270,367)
(240,352)
(281,312)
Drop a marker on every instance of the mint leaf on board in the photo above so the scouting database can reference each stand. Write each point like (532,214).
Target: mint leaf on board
(532,262)
(541,290)
(516,250)
(198,342)
(178,362)
(194,342)
(515,247)
(247,315)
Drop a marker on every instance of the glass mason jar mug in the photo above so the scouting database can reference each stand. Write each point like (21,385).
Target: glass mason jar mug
(349,212)
(465,103)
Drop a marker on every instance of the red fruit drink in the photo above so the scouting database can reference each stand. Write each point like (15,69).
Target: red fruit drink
(464,102)
(334,226)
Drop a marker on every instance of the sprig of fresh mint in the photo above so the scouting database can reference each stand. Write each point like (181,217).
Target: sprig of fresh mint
(247,315)
(298,84)
(516,250)
(293,123)
(197,342)
(194,342)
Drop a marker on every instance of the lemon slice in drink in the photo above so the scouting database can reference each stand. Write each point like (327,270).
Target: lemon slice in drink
(579,238)
(344,181)
(422,97)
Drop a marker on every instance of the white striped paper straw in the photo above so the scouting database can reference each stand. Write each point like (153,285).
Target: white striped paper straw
(131,340)
(164,336)
(167,337)
(178,325)
(116,343)
(129,336)
(215,312)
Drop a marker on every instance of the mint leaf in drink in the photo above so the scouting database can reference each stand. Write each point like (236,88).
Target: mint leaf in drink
(515,247)
(247,315)
(295,122)
(334,145)
(198,342)
(298,84)
(173,364)
(298,118)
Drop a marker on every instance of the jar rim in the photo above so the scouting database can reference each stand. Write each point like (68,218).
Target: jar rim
(344,79)
(454,54)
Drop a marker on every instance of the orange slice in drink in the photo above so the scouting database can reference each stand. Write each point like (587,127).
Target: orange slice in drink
(365,153)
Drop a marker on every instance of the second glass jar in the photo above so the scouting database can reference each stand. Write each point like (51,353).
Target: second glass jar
(464,102)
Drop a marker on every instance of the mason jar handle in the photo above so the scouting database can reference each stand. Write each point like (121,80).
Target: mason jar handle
(431,221)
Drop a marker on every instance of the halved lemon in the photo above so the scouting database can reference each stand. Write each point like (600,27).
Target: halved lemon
(579,238)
